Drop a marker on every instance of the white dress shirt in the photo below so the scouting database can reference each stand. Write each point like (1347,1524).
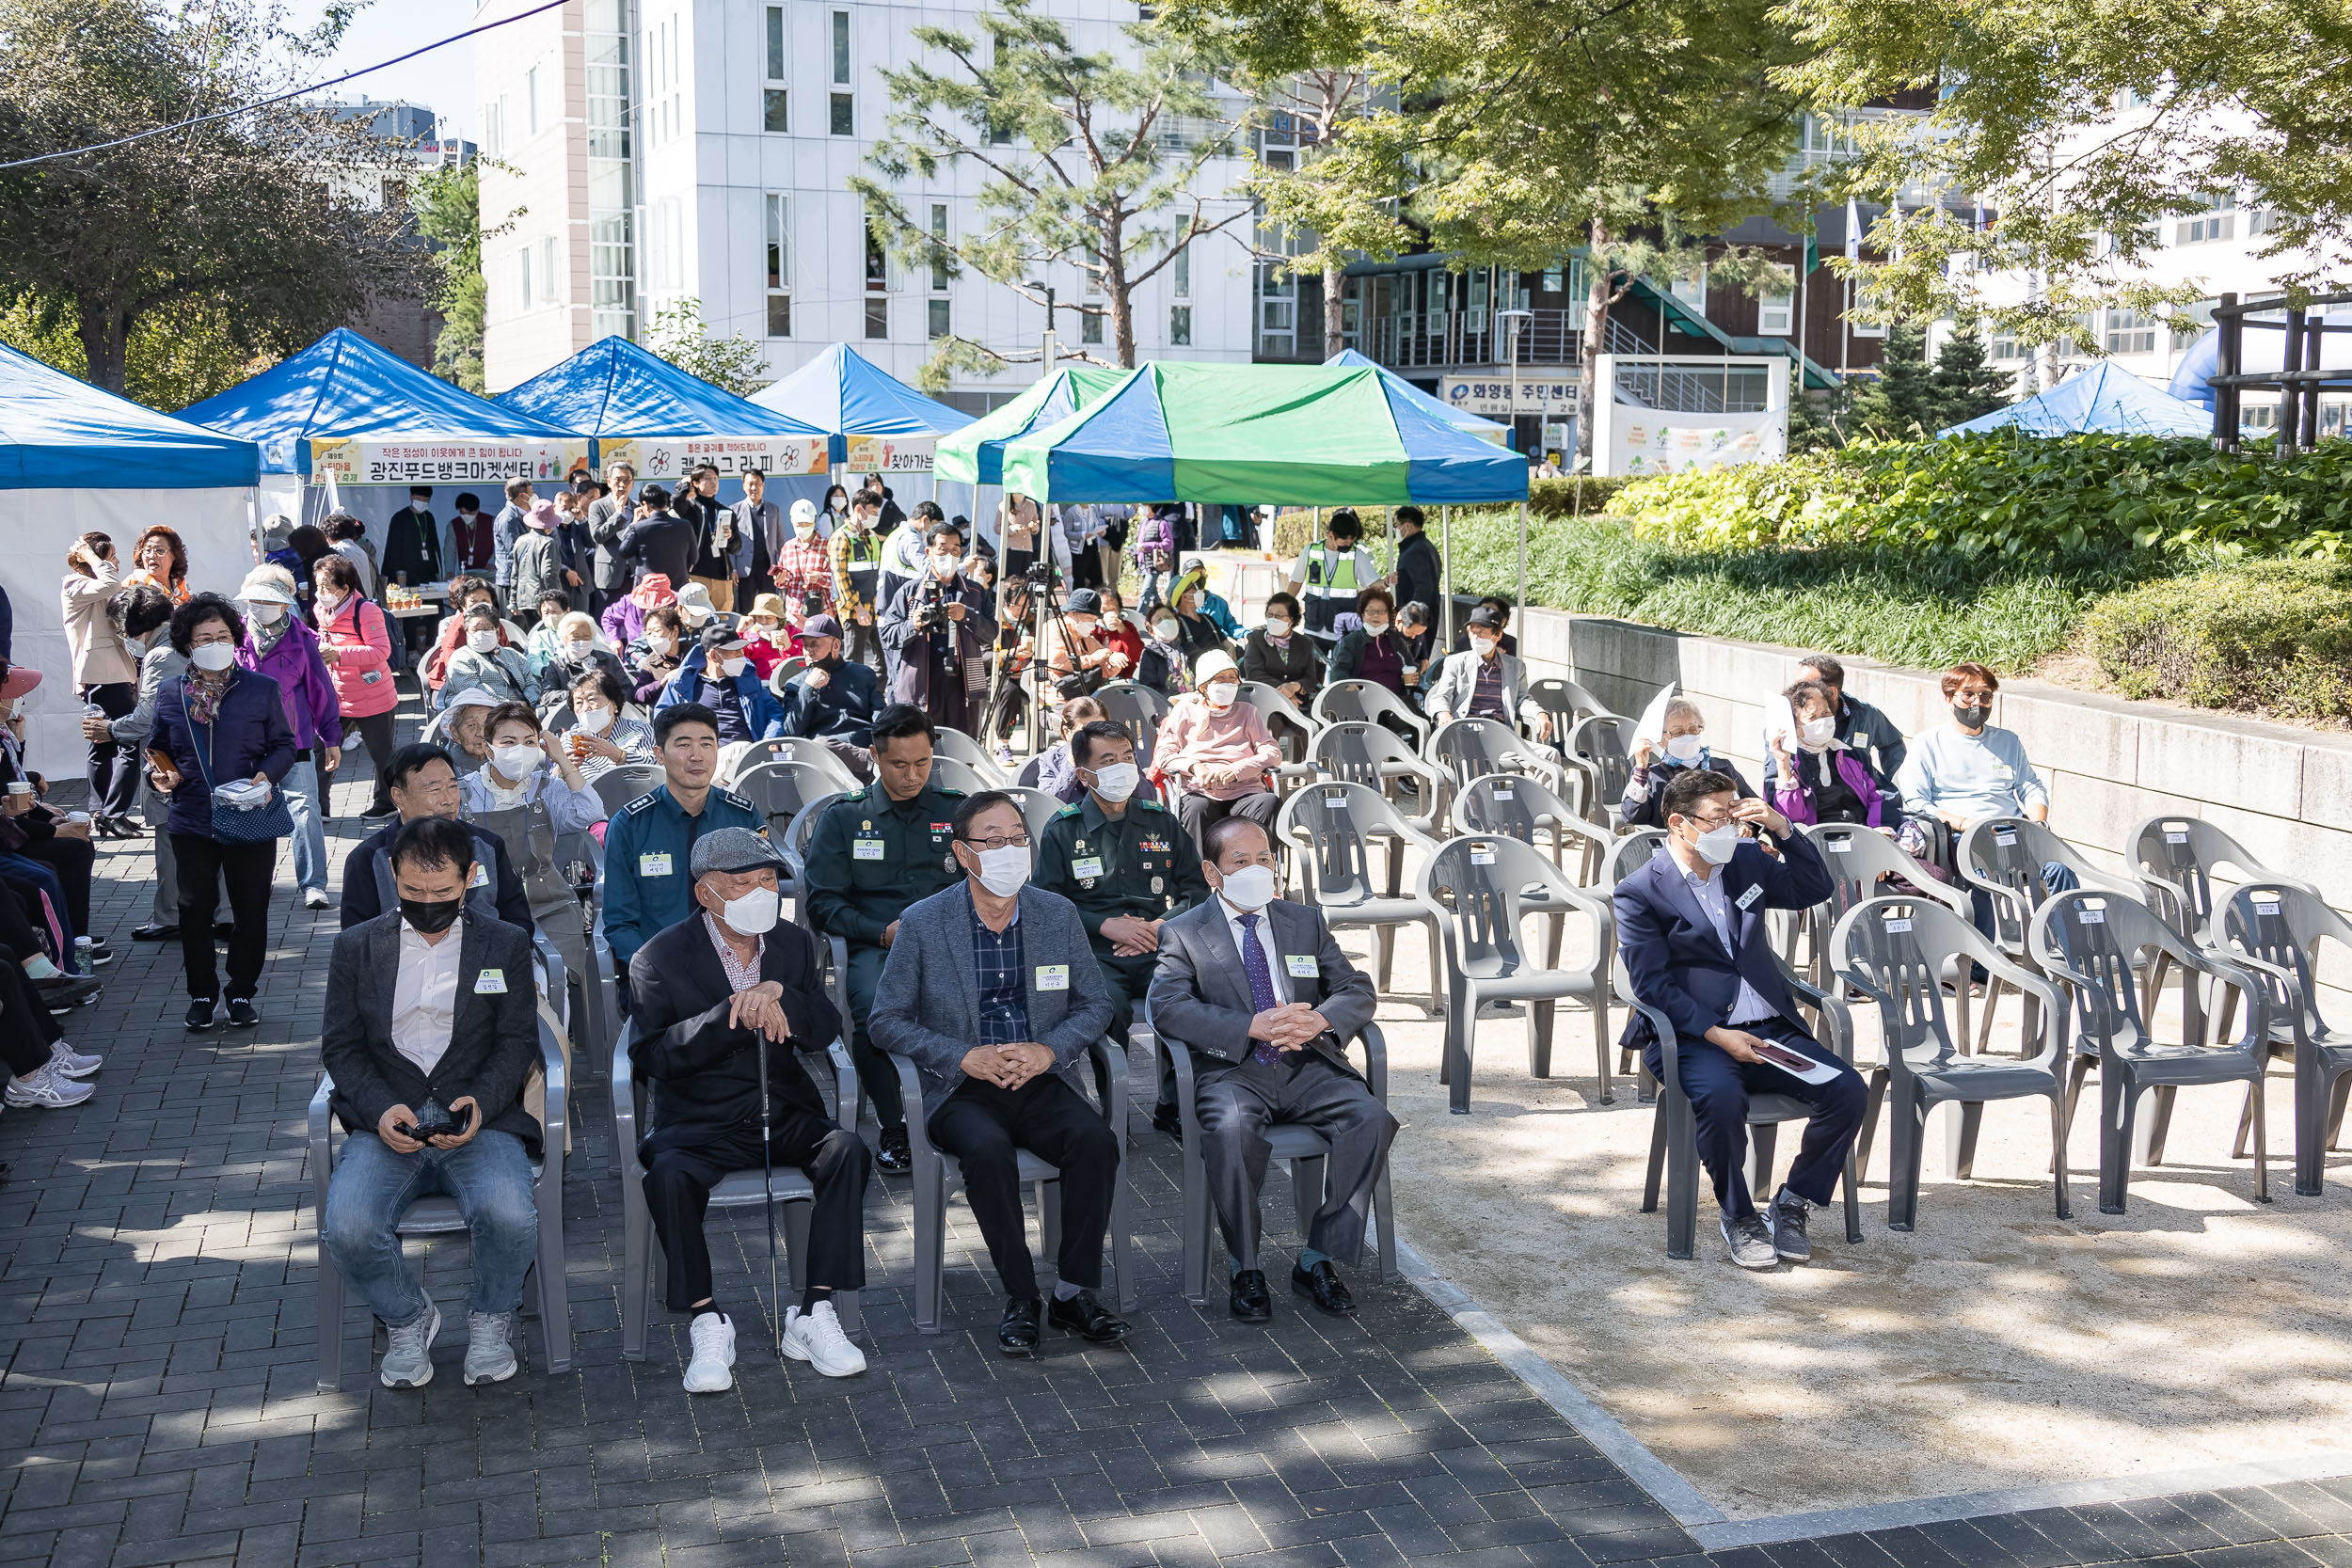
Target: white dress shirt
(1264,934)
(424,996)
(1747,1007)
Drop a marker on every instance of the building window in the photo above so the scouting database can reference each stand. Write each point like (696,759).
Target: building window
(841,49)
(775,44)
(2189,323)
(2131,332)
(844,116)
(1180,326)
(551,273)
(1866,329)
(2005,346)
(771,111)
(1183,270)
(779,260)
(1692,291)
(1776,315)
(938,248)
(877,280)
(1553,278)
(525,300)
(1091,327)
(938,324)
(2216,222)
(531,101)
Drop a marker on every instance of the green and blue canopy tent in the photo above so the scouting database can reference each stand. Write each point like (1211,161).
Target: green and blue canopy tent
(976,453)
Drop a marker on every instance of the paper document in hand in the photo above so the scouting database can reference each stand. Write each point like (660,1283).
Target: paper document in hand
(1796,1063)
(1652,724)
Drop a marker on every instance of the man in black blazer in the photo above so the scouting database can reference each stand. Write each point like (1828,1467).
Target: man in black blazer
(432,1008)
(1262,995)
(421,782)
(710,992)
(1691,930)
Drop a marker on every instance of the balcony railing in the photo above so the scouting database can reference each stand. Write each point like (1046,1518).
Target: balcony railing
(1454,338)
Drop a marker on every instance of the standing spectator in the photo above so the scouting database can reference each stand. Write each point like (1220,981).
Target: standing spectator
(600,739)
(1017,527)
(857,559)
(279,645)
(760,537)
(412,542)
(512,519)
(1275,654)
(714,537)
(579,551)
(903,549)
(220,726)
(1331,573)
(609,517)
(1154,542)
(1082,532)
(659,542)
(161,560)
(836,515)
(803,571)
(1420,574)
(104,675)
(138,615)
(938,628)
(309,546)
(347,536)
(1218,753)
(277,547)
(357,644)
(471,544)
(537,561)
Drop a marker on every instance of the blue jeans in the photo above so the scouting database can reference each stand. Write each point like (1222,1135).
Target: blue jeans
(2054,877)
(301,785)
(490,1179)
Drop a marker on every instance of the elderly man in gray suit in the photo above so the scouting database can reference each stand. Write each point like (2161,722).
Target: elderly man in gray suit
(1260,992)
(1483,682)
(994,994)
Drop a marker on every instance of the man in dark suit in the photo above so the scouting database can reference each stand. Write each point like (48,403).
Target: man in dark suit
(992,991)
(1260,992)
(1691,930)
(710,992)
(422,783)
(432,1010)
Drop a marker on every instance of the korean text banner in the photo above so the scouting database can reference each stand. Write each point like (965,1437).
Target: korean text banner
(675,456)
(344,460)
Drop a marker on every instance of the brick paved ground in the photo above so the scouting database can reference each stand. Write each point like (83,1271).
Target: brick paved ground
(157,1406)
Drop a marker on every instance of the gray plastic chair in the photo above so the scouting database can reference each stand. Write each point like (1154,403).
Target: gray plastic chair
(817,755)
(2095,941)
(1138,710)
(2003,856)
(1673,1139)
(1292,729)
(1626,856)
(780,792)
(2177,858)
(774,748)
(1330,827)
(1359,752)
(1299,1147)
(1037,807)
(437,1215)
(1468,748)
(1362,701)
(951,772)
(780,676)
(1567,702)
(963,748)
(617,785)
(1860,861)
(1896,951)
(1486,887)
(788,1185)
(937,1172)
(832,950)
(2274,929)
(1600,744)
(1522,807)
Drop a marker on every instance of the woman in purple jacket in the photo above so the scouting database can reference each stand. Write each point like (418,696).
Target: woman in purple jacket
(219,724)
(277,643)
(1816,780)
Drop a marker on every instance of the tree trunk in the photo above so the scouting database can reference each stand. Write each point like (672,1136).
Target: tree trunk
(1334,307)
(105,328)
(1596,297)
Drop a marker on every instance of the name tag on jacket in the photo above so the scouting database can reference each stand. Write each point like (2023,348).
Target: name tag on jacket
(1052,976)
(490,982)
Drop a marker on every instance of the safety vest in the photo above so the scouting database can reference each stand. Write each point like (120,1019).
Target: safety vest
(1321,580)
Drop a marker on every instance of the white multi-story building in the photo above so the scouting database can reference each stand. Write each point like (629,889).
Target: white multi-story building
(644,152)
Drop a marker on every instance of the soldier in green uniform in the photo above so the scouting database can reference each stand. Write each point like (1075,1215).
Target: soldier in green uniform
(874,852)
(1127,865)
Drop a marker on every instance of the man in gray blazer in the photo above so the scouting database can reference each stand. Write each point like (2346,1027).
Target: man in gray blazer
(432,1023)
(992,991)
(1262,995)
(1485,682)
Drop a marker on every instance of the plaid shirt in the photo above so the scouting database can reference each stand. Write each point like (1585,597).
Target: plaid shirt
(1486,696)
(806,569)
(740,977)
(996,964)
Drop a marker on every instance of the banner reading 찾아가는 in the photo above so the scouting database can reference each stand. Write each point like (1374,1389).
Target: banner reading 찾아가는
(674,457)
(344,461)
(891,455)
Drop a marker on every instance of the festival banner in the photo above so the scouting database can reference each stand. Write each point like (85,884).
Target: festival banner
(670,457)
(1657,441)
(891,455)
(345,461)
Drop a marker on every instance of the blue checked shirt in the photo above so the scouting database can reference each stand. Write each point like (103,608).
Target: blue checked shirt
(996,963)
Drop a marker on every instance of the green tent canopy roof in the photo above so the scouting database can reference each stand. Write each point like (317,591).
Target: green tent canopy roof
(976,453)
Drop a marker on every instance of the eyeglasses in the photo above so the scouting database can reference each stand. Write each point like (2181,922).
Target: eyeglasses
(1977,696)
(1017,841)
(1708,824)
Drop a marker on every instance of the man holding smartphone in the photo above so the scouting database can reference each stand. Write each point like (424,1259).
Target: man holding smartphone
(1691,930)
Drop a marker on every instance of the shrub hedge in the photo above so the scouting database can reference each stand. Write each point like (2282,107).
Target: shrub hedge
(2269,636)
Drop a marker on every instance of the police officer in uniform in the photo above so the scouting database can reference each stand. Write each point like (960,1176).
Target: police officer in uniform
(1126,864)
(649,843)
(874,852)
(1330,571)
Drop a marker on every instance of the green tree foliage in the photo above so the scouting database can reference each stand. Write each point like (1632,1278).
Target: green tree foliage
(1092,161)
(1968,384)
(175,357)
(254,219)
(447,204)
(1899,402)
(679,335)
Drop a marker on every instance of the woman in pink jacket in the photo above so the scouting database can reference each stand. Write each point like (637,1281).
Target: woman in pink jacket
(357,647)
(1216,752)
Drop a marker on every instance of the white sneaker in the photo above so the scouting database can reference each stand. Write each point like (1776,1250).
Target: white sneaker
(489,1349)
(315,898)
(72,1063)
(712,1368)
(408,1359)
(48,1088)
(815,1337)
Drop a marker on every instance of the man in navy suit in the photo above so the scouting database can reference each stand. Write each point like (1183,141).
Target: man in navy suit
(1691,928)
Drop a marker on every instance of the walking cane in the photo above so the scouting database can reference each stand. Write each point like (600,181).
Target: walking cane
(767,1198)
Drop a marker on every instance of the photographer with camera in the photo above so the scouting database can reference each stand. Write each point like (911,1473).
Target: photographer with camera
(938,628)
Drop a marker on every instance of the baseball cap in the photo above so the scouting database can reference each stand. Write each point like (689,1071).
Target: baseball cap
(1488,616)
(732,850)
(693,603)
(803,510)
(819,626)
(721,637)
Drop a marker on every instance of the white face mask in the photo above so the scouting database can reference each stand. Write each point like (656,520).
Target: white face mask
(1716,845)
(596,720)
(1164,631)
(659,643)
(269,614)
(730,667)
(943,566)
(513,761)
(1222,693)
(212,658)
(580,648)
(1004,871)
(1249,889)
(1117,782)
(1815,734)
(1276,630)
(1086,629)
(328,603)
(482,642)
(754,914)
(804,530)
(1376,625)
(1482,646)
(1685,748)
(135,646)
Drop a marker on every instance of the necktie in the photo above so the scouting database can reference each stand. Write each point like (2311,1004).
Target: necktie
(1260,984)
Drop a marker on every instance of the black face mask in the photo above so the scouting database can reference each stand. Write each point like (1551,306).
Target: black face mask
(830,665)
(1972,718)
(432,916)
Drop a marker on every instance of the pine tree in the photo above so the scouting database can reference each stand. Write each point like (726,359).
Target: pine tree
(1965,384)
(1900,404)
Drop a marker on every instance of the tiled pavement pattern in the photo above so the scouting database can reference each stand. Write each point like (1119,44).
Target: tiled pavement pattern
(157,1405)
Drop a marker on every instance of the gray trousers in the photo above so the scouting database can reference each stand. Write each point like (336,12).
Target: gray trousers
(1236,1105)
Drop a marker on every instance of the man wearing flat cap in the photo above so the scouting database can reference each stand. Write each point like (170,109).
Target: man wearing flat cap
(833,699)
(728,982)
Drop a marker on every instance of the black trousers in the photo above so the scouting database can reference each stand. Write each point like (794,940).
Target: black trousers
(945,698)
(1199,813)
(985,1128)
(375,733)
(21,920)
(114,770)
(677,1191)
(1718,1087)
(246,870)
(27,1030)
(1127,980)
(73,859)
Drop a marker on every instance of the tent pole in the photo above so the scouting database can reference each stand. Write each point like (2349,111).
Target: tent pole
(1445,611)
(1522,563)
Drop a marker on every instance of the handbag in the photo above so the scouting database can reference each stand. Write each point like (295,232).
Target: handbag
(233,824)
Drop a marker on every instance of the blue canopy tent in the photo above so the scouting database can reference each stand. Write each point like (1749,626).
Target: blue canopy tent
(74,459)
(2106,399)
(842,393)
(346,423)
(643,411)
(1460,419)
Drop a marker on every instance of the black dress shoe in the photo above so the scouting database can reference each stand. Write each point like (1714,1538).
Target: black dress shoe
(894,1158)
(152,932)
(1168,1120)
(224,928)
(1321,1285)
(1250,1301)
(1017,1334)
(1087,1317)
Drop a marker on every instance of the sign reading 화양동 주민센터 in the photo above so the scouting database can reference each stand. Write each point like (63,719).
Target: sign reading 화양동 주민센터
(674,457)
(891,455)
(344,461)
(1657,441)
(1490,395)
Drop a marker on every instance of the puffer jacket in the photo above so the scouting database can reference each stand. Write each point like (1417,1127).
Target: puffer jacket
(362,668)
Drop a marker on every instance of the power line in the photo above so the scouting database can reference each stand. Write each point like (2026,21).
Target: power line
(297,92)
